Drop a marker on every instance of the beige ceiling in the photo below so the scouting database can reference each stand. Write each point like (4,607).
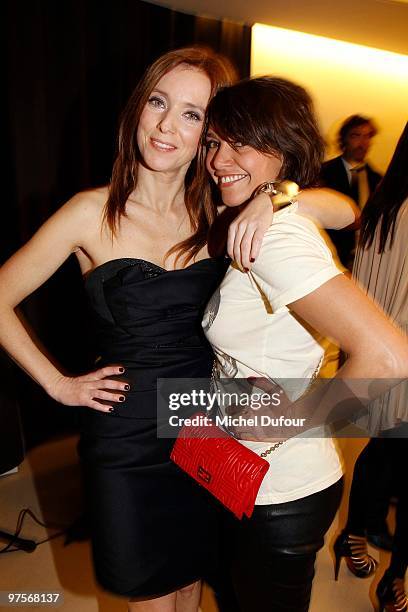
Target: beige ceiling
(376,23)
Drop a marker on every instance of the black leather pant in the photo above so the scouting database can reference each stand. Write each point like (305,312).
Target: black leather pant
(272,555)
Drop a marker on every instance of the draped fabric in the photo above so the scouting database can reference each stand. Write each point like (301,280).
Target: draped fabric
(384,277)
(69,67)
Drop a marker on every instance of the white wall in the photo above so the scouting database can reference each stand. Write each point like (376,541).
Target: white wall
(343,79)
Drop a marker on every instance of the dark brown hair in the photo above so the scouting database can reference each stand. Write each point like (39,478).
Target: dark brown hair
(349,124)
(384,204)
(200,208)
(274,116)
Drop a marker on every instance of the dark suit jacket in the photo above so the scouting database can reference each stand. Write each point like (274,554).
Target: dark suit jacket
(334,175)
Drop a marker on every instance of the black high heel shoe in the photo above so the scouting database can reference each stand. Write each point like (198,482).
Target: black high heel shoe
(391,594)
(354,549)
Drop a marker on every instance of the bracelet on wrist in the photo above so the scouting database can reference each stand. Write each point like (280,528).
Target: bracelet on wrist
(281,193)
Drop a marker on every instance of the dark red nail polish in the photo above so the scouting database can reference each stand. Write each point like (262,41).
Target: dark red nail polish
(127,387)
(252,259)
(111,409)
(121,370)
(121,398)
(246,269)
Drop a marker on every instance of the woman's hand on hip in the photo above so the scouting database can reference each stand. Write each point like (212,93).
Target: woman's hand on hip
(95,390)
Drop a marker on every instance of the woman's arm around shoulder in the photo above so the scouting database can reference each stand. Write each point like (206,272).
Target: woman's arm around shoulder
(326,207)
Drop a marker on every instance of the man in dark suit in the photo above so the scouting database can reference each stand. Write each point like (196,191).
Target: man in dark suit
(352,175)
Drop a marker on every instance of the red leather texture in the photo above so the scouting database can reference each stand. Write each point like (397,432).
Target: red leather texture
(218,462)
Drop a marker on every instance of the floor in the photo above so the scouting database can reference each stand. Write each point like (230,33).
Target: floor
(47,483)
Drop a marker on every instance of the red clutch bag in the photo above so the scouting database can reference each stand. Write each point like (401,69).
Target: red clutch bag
(218,462)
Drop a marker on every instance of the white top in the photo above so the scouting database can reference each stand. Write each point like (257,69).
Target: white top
(253,333)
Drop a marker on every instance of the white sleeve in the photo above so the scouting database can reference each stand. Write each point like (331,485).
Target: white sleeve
(294,261)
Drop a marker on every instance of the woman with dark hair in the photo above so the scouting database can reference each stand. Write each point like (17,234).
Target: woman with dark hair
(381,268)
(267,323)
(141,244)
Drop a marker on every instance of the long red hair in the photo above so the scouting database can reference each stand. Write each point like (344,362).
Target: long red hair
(198,200)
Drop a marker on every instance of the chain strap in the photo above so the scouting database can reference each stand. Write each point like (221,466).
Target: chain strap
(269,450)
(278,444)
(272,448)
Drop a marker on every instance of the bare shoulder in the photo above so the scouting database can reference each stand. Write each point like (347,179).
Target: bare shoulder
(87,205)
(80,219)
(72,228)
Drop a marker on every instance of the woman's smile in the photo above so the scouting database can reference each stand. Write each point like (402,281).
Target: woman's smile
(172,120)
(238,169)
(227,180)
(162,146)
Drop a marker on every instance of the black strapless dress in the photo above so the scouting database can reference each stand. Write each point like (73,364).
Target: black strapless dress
(153,528)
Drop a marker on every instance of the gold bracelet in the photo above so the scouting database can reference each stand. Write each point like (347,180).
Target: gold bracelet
(281,193)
